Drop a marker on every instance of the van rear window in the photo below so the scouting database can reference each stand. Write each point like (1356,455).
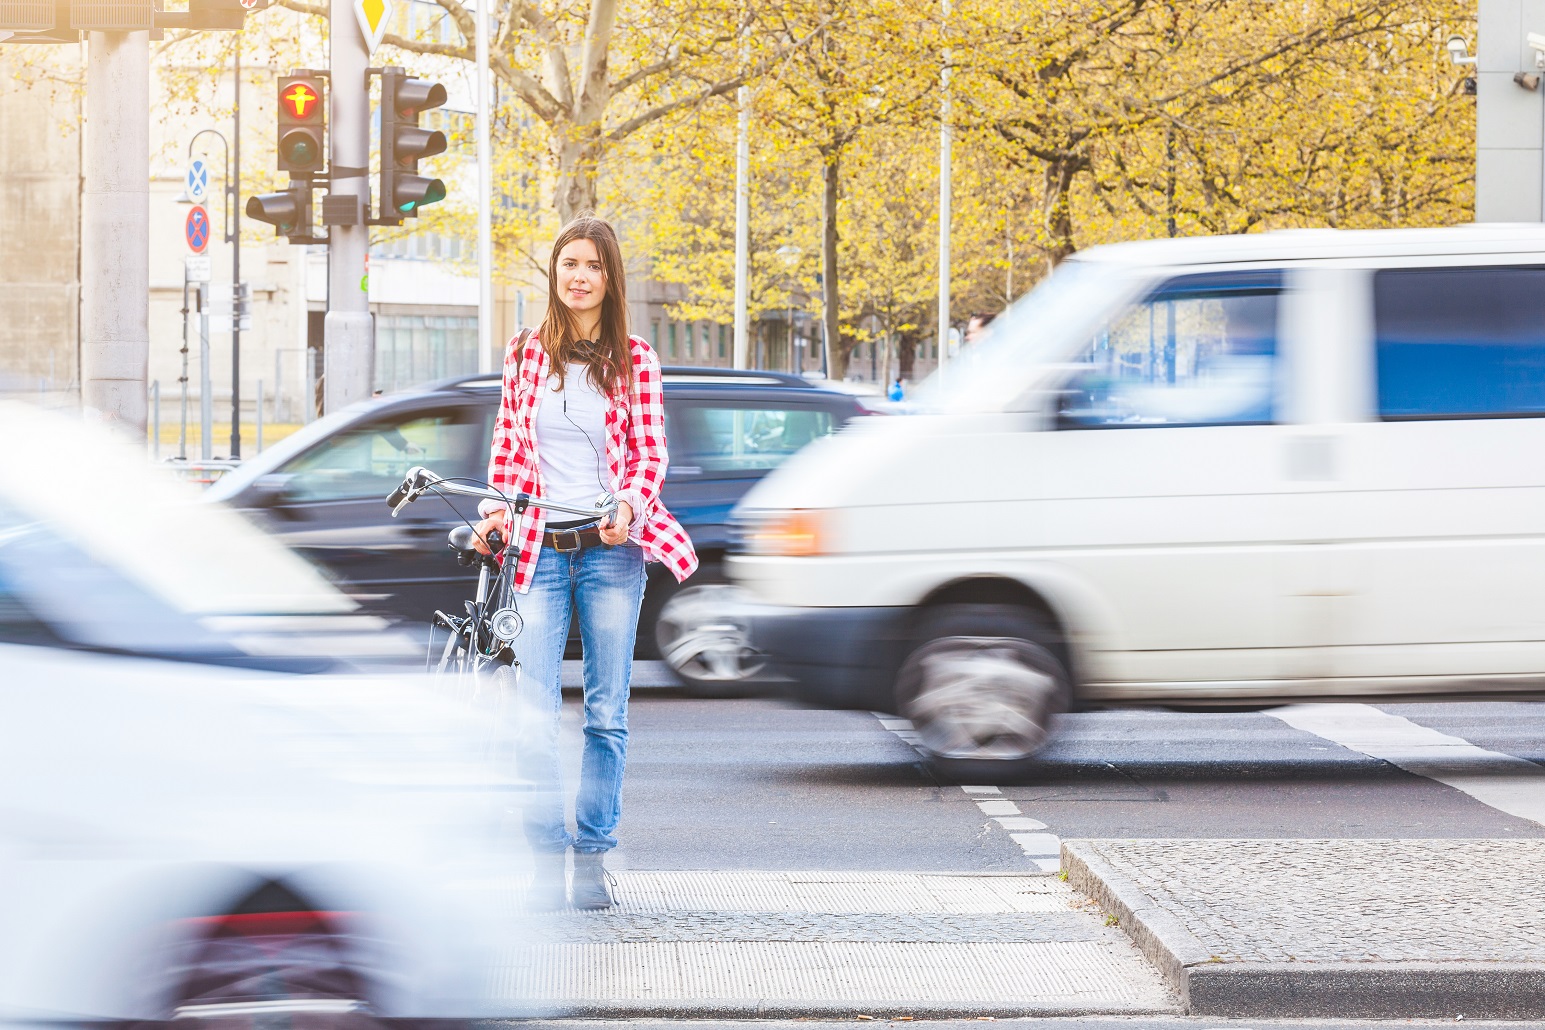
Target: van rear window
(1460,342)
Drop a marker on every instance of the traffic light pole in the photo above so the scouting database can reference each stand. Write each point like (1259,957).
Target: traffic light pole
(347,340)
(115,228)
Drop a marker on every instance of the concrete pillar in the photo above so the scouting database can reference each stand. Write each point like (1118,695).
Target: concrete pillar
(115,231)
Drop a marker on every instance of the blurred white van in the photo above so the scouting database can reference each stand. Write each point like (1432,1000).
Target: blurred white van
(1236,470)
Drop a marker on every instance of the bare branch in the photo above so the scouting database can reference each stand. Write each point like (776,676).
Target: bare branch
(718,89)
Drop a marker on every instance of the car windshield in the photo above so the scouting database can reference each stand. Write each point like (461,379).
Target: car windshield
(1041,329)
(139,525)
(242,476)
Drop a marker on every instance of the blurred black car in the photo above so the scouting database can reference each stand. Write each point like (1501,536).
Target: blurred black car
(322,490)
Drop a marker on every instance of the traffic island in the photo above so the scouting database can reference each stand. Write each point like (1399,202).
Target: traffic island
(1344,929)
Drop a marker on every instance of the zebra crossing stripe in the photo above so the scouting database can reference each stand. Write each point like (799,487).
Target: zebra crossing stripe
(1043,849)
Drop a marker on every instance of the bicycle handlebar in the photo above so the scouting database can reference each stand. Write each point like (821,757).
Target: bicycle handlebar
(419,480)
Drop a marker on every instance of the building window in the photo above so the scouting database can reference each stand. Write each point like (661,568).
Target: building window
(416,349)
(722,353)
(670,342)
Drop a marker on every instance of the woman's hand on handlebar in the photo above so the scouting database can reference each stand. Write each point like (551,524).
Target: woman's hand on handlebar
(614,530)
(497,521)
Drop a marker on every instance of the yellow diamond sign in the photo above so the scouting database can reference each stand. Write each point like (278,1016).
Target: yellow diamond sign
(374,16)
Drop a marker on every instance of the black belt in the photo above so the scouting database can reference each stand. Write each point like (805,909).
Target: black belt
(567,540)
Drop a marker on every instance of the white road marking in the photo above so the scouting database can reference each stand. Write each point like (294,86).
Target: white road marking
(1043,850)
(1020,822)
(1038,845)
(1503,782)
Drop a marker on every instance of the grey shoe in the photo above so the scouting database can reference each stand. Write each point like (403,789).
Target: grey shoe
(591,881)
(549,889)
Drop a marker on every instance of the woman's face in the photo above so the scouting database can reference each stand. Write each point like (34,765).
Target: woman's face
(581,281)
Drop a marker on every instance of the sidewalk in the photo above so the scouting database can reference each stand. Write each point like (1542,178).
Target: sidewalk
(832,944)
(1331,928)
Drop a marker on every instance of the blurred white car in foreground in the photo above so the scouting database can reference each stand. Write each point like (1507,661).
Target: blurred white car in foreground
(188,830)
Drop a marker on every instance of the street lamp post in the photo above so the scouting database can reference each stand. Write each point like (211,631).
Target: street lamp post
(790,256)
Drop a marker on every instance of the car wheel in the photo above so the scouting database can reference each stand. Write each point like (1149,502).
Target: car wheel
(265,967)
(982,688)
(703,640)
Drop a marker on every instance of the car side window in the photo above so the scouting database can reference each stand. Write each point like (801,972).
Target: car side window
(1459,342)
(726,438)
(370,460)
(1199,351)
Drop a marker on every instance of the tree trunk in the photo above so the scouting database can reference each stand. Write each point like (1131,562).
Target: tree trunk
(830,311)
(577,164)
(1058,212)
(906,354)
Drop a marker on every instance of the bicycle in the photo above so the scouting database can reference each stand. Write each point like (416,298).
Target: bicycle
(484,637)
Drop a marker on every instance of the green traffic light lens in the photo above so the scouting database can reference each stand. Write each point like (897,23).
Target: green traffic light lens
(300,149)
(414,192)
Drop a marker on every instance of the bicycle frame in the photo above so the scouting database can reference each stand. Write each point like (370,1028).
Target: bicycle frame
(475,634)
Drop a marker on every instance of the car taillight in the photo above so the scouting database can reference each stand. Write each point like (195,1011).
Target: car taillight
(268,924)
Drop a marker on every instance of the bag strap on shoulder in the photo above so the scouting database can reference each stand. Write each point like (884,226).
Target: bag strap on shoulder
(520,344)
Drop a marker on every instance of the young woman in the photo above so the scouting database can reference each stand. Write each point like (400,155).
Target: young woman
(582,415)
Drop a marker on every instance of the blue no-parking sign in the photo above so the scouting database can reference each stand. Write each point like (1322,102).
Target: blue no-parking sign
(197,180)
(196,229)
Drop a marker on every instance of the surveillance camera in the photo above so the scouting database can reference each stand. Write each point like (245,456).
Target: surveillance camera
(1537,41)
(1457,44)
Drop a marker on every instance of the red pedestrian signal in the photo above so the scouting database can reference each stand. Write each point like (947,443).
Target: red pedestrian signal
(301,101)
(302,126)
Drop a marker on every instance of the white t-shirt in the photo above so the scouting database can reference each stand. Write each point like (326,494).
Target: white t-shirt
(571,442)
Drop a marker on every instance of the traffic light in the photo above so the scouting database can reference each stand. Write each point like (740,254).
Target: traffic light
(288,212)
(403,144)
(302,126)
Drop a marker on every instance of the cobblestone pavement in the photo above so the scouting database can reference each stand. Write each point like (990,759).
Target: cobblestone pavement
(1357,901)
(701,944)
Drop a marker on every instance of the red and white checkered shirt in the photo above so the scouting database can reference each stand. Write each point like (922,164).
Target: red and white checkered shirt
(635,451)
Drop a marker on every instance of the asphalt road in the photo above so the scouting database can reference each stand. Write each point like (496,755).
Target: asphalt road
(763,784)
(1049,1023)
(730,803)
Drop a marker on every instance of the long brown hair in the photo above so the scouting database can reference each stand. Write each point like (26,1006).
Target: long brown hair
(609,360)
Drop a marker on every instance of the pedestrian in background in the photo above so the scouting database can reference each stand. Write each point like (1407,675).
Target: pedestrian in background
(582,414)
(896,392)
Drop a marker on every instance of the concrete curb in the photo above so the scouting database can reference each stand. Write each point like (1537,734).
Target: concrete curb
(794,1009)
(1309,990)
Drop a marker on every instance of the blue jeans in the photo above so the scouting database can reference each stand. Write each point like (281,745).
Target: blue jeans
(606,586)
